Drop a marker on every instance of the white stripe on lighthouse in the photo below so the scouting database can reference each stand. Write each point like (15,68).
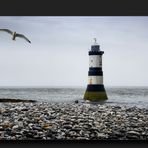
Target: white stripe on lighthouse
(95,80)
(95,61)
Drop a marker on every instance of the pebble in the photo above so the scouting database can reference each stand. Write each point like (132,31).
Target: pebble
(15,127)
(75,121)
(133,133)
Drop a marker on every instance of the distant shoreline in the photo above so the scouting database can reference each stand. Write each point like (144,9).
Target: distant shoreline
(2,100)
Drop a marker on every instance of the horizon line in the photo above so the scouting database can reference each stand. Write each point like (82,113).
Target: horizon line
(66,86)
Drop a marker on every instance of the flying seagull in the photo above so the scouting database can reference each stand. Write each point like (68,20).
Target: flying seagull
(14,34)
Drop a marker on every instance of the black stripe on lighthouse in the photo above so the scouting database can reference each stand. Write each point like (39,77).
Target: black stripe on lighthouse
(95,68)
(95,73)
(96,52)
(95,87)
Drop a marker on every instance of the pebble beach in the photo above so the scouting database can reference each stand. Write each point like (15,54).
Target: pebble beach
(72,121)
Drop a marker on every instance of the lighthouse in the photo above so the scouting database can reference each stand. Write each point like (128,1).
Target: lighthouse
(95,90)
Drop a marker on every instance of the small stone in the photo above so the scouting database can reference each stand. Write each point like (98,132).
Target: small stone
(67,126)
(82,138)
(76,101)
(15,127)
(1,128)
(133,133)
(101,135)
(37,128)
(47,126)
(77,129)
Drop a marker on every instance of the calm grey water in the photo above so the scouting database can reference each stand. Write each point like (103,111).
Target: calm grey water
(130,96)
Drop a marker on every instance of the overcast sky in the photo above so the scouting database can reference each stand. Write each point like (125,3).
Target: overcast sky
(58,54)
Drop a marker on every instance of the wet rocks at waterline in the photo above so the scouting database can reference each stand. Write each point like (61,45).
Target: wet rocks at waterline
(72,121)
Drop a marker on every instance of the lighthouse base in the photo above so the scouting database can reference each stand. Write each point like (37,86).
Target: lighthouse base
(95,93)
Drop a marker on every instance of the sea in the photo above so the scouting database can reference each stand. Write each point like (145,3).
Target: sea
(122,96)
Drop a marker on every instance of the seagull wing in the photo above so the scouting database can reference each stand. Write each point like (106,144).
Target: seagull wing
(22,36)
(7,30)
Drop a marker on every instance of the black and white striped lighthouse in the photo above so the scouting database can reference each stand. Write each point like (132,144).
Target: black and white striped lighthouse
(95,89)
